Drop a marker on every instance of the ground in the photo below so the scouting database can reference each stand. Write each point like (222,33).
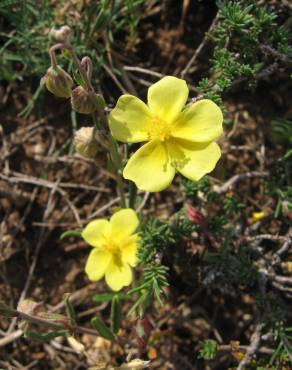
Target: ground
(46,189)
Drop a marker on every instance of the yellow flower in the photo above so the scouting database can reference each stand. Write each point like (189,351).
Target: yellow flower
(258,216)
(115,248)
(177,139)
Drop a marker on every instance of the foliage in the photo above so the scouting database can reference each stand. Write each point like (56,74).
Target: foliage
(157,235)
(27,23)
(283,350)
(24,21)
(279,185)
(153,280)
(248,40)
(208,349)
(224,254)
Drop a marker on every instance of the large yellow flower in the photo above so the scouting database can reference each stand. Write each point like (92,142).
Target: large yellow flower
(115,248)
(178,139)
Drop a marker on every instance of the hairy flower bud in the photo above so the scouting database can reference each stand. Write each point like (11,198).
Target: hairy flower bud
(85,144)
(63,34)
(82,101)
(196,217)
(58,82)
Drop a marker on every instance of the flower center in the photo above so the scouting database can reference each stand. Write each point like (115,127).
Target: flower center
(115,251)
(159,130)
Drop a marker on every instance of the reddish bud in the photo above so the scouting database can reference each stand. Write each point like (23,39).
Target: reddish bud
(196,217)
(142,332)
(83,101)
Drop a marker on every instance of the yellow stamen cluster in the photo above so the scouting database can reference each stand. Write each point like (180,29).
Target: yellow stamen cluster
(159,130)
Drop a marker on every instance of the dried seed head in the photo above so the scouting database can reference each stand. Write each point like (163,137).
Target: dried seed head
(76,345)
(58,82)
(82,101)
(135,364)
(28,307)
(63,34)
(84,142)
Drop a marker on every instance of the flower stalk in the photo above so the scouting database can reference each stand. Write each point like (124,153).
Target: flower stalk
(98,114)
(56,325)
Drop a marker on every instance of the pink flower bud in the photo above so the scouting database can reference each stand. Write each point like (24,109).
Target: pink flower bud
(142,331)
(196,217)
(82,101)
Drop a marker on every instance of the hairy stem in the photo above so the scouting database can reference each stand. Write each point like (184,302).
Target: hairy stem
(85,69)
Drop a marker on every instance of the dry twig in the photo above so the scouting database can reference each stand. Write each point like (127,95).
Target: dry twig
(234,179)
(200,47)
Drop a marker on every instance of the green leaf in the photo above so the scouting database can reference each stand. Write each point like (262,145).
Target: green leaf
(102,329)
(276,353)
(279,208)
(56,317)
(100,101)
(106,297)
(6,310)
(208,349)
(158,292)
(79,80)
(116,314)
(45,337)
(139,288)
(69,233)
(139,301)
(70,309)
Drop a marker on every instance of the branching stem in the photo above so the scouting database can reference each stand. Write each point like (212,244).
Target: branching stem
(85,70)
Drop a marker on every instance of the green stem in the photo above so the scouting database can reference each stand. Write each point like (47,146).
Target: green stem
(132,195)
(114,154)
(117,163)
(111,146)
(53,58)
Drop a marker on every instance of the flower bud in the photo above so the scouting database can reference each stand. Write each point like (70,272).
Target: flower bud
(63,34)
(84,143)
(82,101)
(58,82)
(196,217)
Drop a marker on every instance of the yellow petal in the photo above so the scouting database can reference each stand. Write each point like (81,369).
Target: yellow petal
(193,160)
(95,231)
(123,223)
(149,168)
(202,122)
(258,216)
(118,276)
(167,97)
(97,263)
(130,249)
(129,121)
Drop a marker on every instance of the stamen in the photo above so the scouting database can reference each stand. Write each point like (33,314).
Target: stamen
(160,129)
(115,251)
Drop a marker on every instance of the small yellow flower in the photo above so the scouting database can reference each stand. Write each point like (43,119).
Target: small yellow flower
(115,248)
(177,139)
(258,216)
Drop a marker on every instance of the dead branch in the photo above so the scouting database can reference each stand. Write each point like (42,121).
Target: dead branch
(233,180)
